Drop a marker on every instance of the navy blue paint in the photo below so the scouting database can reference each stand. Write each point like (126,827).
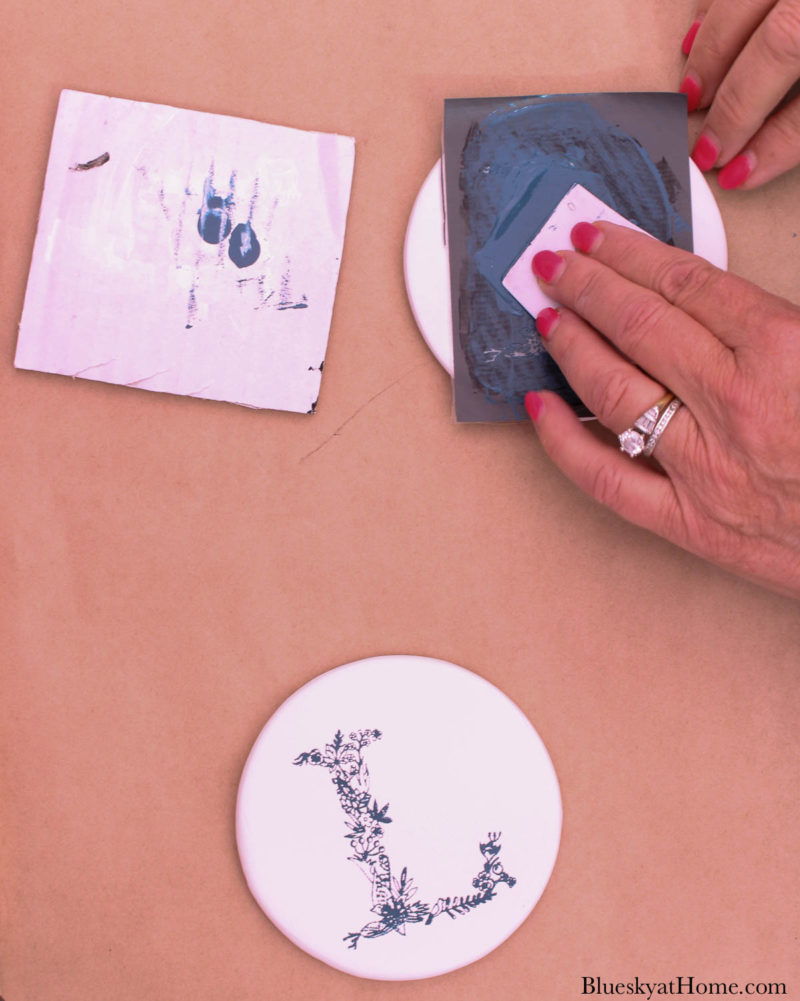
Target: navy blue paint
(214,222)
(191,309)
(286,299)
(393,907)
(560,145)
(517,163)
(244,247)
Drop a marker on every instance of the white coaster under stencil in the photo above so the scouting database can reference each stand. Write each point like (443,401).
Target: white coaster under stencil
(427,269)
(398,818)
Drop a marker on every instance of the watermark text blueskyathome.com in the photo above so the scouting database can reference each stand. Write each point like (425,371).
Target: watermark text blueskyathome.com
(686,986)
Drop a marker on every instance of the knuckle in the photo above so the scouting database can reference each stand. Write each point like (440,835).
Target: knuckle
(781,34)
(731,106)
(720,539)
(784,126)
(738,400)
(714,49)
(680,281)
(565,341)
(610,394)
(673,519)
(588,290)
(746,408)
(606,485)
(639,318)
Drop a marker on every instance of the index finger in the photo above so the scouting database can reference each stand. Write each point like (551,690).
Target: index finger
(723,303)
(660,338)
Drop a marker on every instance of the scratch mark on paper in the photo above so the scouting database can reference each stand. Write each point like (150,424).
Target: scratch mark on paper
(146,378)
(358,410)
(99,364)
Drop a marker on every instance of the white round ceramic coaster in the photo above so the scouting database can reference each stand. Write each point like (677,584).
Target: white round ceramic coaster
(398,818)
(427,268)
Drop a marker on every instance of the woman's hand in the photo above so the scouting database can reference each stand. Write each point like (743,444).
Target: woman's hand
(643,317)
(744,57)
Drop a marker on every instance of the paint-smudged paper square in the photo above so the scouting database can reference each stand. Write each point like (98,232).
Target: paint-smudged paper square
(187,253)
(577,205)
(508,163)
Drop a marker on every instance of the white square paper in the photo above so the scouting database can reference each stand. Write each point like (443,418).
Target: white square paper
(578,205)
(186,253)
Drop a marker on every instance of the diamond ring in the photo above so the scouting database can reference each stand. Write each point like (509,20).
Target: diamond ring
(661,426)
(636,439)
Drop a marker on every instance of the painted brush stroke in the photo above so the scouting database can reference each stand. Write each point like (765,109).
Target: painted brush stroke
(214,216)
(508,164)
(244,248)
(98,161)
(221,244)
(214,222)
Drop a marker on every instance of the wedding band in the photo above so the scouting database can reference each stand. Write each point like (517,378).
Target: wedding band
(634,440)
(661,426)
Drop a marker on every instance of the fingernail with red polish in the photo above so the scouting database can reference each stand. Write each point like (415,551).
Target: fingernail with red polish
(691,34)
(546,321)
(736,172)
(547,266)
(691,88)
(533,404)
(705,152)
(585,237)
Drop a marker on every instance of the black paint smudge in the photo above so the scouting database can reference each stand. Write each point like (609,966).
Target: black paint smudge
(91,164)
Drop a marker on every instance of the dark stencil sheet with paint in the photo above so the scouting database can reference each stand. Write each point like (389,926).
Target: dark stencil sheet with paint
(507,163)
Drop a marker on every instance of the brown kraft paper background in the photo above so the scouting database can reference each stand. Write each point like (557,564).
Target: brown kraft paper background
(172,568)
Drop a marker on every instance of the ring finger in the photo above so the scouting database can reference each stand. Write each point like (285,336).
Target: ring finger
(614,390)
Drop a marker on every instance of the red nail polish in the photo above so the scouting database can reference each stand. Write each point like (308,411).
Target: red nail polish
(705,153)
(585,237)
(546,321)
(691,88)
(547,265)
(533,404)
(688,42)
(736,172)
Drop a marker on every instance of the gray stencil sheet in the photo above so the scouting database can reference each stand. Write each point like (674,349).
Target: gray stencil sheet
(507,163)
